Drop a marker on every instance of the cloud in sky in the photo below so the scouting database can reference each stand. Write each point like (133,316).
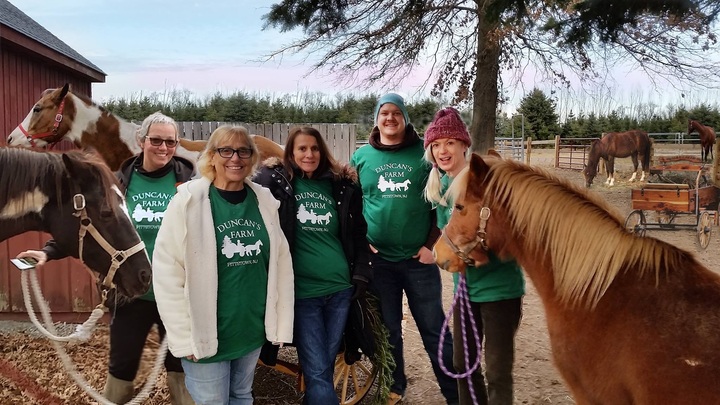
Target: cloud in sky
(148,46)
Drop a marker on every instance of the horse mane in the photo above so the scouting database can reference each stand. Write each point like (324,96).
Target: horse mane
(27,170)
(33,169)
(584,263)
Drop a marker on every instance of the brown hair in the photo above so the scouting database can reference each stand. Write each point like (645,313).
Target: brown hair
(327,162)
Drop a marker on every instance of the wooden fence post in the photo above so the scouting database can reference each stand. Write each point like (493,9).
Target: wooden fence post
(557,151)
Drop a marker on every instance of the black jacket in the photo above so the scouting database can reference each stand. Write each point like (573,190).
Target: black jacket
(183,168)
(348,197)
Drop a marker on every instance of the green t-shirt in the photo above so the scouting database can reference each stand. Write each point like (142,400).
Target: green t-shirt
(147,198)
(394,207)
(495,281)
(242,256)
(319,261)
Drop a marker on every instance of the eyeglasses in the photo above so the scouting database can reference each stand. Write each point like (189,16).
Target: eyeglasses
(170,143)
(228,153)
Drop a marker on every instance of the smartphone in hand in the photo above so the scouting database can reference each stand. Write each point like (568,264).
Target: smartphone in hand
(24,263)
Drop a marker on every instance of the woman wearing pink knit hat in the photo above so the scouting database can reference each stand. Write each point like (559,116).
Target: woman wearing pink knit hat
(495,289)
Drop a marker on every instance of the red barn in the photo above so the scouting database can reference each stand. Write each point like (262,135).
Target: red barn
(31,60)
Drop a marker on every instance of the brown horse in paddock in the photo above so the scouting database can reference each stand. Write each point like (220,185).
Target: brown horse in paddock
(632,320)
(707,138)
(633,143)
(87,124)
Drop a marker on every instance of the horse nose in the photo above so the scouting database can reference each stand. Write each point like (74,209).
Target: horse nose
(9,140)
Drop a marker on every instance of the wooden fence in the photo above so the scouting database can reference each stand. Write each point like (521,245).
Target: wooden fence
(340,138)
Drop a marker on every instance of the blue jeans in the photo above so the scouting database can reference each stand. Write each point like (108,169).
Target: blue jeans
(319,327)
(423,287)
(224,382)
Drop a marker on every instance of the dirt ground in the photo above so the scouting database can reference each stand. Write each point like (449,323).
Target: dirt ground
(31,374)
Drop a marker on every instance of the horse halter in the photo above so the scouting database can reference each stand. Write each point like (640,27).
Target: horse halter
(117,257)
(52,133)
(479,239)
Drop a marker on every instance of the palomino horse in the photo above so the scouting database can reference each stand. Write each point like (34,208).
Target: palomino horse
(60,114)
(707,138)
(632,320)
(632,143)
(74,197)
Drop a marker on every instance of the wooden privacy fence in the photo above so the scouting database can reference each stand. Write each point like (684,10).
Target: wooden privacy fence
(340,138)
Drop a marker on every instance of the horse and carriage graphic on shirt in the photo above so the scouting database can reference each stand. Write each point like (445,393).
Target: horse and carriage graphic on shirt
(140,213)
(229,248)
(303,215)
(385,185)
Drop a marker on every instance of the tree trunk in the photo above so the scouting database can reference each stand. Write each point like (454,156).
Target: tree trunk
(485,87)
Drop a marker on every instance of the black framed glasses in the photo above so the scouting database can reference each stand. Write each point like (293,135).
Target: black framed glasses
(170,143)
(227,153)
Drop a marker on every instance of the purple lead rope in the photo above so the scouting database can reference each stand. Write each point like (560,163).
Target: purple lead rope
(463,298)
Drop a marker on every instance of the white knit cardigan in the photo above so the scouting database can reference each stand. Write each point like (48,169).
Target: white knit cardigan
(185,272)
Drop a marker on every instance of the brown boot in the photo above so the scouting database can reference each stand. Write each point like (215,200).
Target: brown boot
(118,391)
(179,395)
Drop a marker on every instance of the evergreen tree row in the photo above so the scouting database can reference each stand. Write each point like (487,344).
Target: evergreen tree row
(537,110)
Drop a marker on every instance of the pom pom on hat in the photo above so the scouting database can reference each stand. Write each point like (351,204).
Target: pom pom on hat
(447,124)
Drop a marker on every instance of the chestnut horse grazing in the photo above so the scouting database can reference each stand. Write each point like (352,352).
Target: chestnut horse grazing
(707,138)
(74,197)
(60,114)
(631,320)
(634,143)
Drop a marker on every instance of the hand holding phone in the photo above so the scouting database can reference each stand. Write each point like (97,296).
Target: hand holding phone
(25,263)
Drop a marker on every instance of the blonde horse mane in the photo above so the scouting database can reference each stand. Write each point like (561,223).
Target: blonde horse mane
(584,237)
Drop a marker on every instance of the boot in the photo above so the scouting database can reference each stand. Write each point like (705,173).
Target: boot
(179,395)
(118,391)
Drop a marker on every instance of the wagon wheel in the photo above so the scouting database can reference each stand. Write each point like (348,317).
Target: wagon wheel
(704,229)
(635,222)
(353,381)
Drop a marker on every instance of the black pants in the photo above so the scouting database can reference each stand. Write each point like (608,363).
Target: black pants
(129,329)
(497,323)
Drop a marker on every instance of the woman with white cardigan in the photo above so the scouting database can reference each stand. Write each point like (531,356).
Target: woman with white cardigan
(222,272)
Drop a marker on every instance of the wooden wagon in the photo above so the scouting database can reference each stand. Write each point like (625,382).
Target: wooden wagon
(670,199)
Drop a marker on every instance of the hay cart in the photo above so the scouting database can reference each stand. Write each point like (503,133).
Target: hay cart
(669,200)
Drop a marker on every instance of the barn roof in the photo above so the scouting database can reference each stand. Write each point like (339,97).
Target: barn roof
(12,17)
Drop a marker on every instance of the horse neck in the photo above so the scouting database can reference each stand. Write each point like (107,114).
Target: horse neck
(10,227)
(93,126)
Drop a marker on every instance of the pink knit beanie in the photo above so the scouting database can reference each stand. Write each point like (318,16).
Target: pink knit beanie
(447,124)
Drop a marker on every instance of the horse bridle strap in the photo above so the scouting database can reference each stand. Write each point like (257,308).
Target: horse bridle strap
(464,254)
(117,257)
(43,135)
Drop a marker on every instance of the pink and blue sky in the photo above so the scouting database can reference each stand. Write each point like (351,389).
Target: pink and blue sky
(148,46)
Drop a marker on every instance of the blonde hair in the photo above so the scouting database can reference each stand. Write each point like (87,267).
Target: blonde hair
(433,185)
(220,136)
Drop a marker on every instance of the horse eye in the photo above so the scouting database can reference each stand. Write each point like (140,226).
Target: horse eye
(36,109)
(106,213)
(459,207)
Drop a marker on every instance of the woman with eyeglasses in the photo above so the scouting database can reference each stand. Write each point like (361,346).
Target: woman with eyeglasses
(321,215)
(222,272)
(148,181)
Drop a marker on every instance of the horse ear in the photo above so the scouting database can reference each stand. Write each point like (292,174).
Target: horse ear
(75,168)
(493,152)
(478,169)
(63,92)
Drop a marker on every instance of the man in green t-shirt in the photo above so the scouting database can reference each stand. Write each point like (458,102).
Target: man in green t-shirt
(401,232)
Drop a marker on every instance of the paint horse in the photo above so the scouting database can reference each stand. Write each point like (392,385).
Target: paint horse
(707,138)
(60,114)
(634,143)
(74,197)
(631,320)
